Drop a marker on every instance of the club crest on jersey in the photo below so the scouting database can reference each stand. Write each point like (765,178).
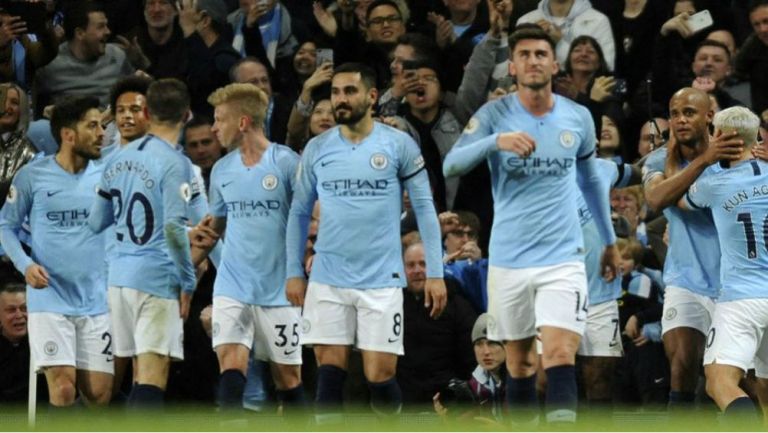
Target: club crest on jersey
(567,139)
(471,126)
(12,194)
(379,161)
(51,348)
(305,326)
(269,182)
(185,191)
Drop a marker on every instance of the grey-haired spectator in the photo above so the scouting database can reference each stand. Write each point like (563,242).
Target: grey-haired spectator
(86,64)
(251,70)
(209,54)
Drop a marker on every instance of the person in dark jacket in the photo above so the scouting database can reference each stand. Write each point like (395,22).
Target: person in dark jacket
(436,350)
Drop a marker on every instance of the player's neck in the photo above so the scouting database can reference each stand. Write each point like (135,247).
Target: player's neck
(746,154)
(253,147)
(71,162)
(169,133)
(358,131)
(537,101)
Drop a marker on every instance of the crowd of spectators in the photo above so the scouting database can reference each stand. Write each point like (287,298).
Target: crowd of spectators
(437,62)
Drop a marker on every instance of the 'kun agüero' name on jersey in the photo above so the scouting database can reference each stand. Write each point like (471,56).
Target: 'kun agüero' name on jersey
(251,208)
(742,196)
(356,187)
(535,165)
(135,168)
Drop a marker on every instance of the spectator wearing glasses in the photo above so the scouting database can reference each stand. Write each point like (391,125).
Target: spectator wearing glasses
(384,24)
(463,257)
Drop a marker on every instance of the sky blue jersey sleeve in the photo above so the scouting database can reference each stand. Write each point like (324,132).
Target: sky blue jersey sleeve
(476,142)
(176,193)
(12,216)
(304,197)
(413,173)
(596,193)
(102,214)
(623,175)
(697,198)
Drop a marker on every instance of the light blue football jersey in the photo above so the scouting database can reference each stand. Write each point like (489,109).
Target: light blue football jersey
(614,176)
(738,200)
(57,204)
(535,207)
(360,189)
(145,192)
(693,256)
(255,201)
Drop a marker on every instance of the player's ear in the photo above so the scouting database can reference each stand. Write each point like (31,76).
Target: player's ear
(67,135)
(145,110)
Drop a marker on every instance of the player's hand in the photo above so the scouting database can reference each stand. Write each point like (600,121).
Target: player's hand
(760,152)
(308,264)
(435,296)
(640,340)
(206,319)
(36,276)
(438,405)
(632,328)
(185,300)
(723,147)
(295,290)
(203,235)
(609,263)
(517,142)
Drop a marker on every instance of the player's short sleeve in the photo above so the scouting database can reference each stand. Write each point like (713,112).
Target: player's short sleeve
(589,137)
(654,165)
(19,199)
(176,190)
(411,160)
(217,205)
(697,196)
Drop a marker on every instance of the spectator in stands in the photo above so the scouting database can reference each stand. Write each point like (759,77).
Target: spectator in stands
(485,389)
(457,36)
(565,20)
(303,125)
(737,87)
(202,146)
(630,203)
(588,81)
(251,70)
(711,68)
(162,40)
(303,65)
(643,375)
(15,148)
(301,112)
(86,64)
(410,47)
(383,26)
(463,259)
(653,134)
(21,53)
(436,350)
(752,60)
(14,346)
(273,22)
(209,53)
(609,144)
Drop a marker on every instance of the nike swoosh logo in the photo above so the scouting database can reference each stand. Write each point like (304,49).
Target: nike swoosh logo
(51,194)
(289,352)
(392,341)
(324,163)
(224,185)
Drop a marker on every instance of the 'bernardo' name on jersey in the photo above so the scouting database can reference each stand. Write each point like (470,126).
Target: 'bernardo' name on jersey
(135,168)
